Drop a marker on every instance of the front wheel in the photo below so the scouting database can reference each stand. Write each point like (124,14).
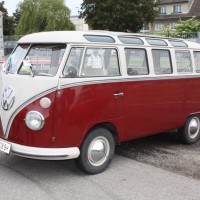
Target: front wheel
(97,151)
(190,132)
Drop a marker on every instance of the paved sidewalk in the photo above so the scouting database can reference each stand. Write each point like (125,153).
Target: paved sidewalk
(125,179)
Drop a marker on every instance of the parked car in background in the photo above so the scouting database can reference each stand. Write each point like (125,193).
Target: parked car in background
(9,46)
(1,63)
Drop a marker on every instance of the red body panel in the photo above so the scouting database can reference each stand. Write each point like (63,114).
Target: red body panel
(153,106)
(1,128)
(81,107)
(147,107)
(21,134)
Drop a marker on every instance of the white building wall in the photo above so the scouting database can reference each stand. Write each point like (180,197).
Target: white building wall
(79,23)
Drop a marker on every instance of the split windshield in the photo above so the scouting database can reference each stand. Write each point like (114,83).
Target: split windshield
(37,60)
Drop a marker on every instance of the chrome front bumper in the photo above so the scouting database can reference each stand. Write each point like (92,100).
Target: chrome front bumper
(43,153)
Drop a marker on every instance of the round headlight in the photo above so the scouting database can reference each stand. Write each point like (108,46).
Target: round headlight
(34,120)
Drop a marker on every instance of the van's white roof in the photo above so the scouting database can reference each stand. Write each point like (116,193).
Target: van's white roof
(60,37)
(78,37)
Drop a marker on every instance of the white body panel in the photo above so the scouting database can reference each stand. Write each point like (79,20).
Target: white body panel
(30,87)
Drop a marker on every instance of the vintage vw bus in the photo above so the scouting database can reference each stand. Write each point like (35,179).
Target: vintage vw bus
(70,94)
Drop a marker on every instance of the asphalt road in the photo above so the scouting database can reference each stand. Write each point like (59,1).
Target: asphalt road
(125,179)
(166,152)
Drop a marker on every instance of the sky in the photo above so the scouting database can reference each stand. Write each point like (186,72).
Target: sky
(73,5)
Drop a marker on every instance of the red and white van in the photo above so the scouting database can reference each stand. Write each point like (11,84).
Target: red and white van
(67,95)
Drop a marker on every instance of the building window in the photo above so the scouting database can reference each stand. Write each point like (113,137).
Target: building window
(163,10)
(146,28)
(177,9)
(158,26)
(172,25)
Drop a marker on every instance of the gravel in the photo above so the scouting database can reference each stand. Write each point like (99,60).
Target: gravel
(166,152)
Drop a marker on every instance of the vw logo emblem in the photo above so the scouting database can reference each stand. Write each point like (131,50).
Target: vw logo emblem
(8,98)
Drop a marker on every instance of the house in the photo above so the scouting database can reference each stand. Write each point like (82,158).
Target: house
(79,23)
(171,12)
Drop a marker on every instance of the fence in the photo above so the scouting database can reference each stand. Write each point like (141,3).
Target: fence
(12,38)
(192,36)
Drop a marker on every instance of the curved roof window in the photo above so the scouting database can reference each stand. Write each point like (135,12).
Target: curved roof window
(99,38)
(156,42)
(177,43)
(130,40)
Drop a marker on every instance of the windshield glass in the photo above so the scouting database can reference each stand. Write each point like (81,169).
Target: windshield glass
(14,61)
(42,60)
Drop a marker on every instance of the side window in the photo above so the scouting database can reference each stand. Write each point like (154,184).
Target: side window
(162,61)
(136,62)
(73,63)
(197,61)
(183,61)
(100,62)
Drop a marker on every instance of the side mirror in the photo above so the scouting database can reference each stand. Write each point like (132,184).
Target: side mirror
(71,72)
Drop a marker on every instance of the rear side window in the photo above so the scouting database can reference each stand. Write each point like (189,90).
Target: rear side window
(183,61)
(197,61)
(100,62)
(162,61)
(136,62)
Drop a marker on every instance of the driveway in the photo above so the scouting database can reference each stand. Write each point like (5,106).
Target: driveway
(125,179)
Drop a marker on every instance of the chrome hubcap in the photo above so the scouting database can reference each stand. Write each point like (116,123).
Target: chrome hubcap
(98,151)
(193,128)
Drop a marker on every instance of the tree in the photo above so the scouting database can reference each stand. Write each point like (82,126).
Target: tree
(121,15)
(43,15)
(8,22)
(16,16)
(182,29)
(190,26)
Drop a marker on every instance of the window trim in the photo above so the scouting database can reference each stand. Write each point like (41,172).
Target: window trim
(195,62)
(158,26)
(163,10)
(170,58)
(184,72)
(39,44)
(174,41)
(147,62)
(178,7)
(85,47)
(90,38)
(130,37)
(156,39)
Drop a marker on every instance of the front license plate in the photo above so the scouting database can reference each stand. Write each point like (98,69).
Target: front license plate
(5,147)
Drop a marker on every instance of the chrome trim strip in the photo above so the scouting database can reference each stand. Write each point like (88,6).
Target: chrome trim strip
(17,110)
(127,79)
(44,153)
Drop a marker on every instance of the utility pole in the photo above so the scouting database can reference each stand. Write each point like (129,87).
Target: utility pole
(1,36)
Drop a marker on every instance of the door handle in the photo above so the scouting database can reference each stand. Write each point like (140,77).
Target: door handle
(118,94)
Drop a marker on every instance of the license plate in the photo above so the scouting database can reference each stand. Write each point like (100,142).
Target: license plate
(5,147)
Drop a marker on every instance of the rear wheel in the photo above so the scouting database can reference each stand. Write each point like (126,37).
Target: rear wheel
(97,151)
(190,132)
